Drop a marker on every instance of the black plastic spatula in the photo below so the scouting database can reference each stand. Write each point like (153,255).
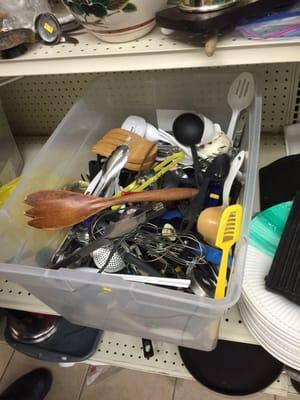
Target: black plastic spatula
(284,274)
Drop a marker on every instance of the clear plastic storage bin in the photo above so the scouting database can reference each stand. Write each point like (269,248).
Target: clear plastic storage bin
(11,162)
(109,302)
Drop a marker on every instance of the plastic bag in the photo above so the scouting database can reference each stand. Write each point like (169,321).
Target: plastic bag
(22,13)
(279,26)
(98,373)
(7,189)
(267,227)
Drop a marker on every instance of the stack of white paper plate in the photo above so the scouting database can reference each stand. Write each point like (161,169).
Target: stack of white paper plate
(273,320)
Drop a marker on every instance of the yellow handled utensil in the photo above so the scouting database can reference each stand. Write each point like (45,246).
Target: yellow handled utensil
(7,189)
(228,234)
(159,170)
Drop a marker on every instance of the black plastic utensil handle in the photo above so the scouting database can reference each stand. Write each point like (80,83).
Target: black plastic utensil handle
(196,205)
(197,167)
(218,169)
(141,265)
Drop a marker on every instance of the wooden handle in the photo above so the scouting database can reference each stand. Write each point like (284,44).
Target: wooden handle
(210,46)
(3,14)
(151,195)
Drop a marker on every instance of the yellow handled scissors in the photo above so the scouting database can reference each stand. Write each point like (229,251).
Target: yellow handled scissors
(159,170)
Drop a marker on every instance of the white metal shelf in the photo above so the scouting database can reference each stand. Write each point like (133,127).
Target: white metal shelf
(154,51)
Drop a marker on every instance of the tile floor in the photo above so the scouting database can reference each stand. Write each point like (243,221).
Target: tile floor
(70,383)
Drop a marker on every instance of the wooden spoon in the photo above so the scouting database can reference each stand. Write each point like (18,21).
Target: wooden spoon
(57,209)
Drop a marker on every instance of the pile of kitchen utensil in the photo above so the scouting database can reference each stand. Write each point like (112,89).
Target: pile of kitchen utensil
(155,207)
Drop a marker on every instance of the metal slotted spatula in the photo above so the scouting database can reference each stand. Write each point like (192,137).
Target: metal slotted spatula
(228,234)
(240,96)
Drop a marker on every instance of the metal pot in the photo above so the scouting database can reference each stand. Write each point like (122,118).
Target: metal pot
(31,328)
(198,6)
(116,21)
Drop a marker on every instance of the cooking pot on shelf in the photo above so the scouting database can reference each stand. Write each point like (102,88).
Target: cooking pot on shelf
(116,21)
(195,6)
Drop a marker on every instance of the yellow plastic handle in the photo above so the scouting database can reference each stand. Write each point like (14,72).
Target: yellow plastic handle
(7,189)
(221,282)
(228,234)
(160,170)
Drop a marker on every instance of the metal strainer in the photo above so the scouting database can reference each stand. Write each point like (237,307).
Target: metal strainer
(100,256)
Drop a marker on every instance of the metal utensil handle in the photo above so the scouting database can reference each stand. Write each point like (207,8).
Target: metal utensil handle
(166,137)
(93,184)
(112,167)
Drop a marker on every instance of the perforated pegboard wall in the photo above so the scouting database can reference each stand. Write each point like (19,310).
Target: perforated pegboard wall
(35,105)
(295,96)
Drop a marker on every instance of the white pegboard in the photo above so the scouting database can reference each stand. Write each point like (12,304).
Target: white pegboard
(119,349)
(272,147)
(295,97)
(35,105)
(277,83)
(126,351)
(30,146)
(15,297)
